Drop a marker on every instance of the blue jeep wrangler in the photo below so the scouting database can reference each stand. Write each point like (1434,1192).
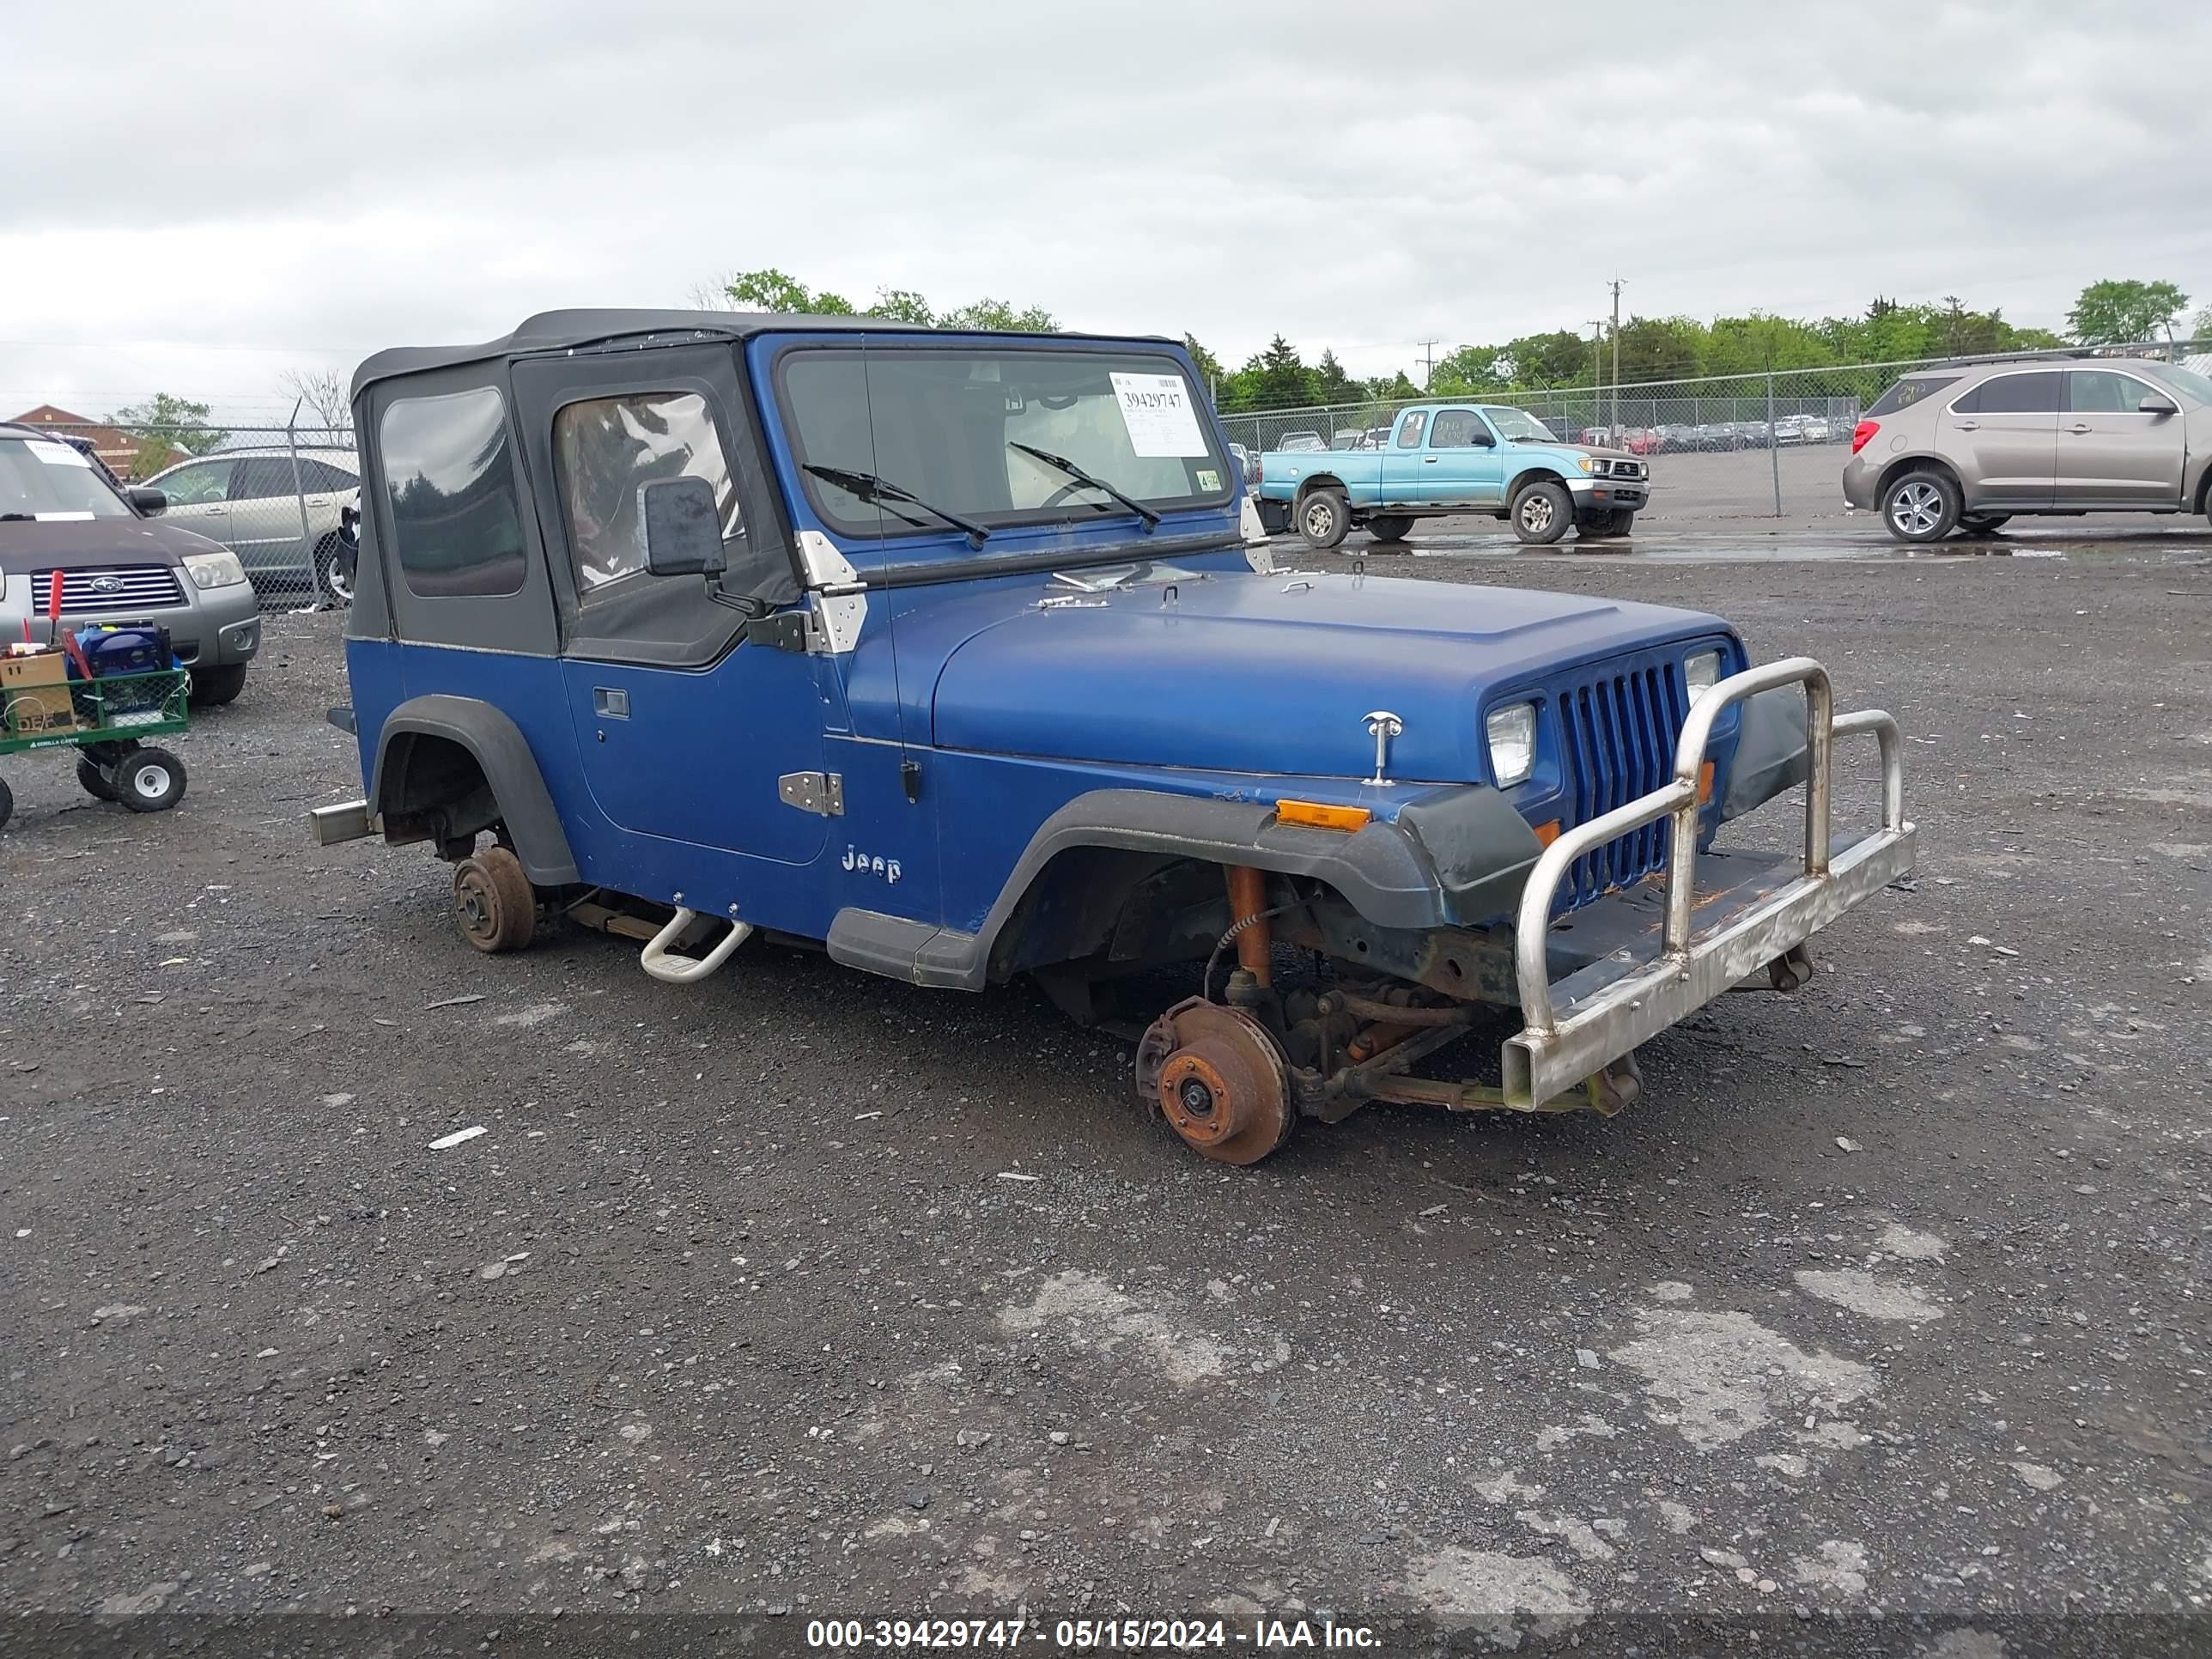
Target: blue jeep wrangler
(962,656)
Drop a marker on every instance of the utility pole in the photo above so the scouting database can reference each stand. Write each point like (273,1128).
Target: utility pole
(1429,361)
(1616,359)
(1597,368)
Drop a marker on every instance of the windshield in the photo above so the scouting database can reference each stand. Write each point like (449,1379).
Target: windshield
(960,429)
(2198,386)
(46,478)
(1518,423)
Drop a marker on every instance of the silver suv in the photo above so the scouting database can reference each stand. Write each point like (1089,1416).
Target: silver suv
(1968,447)
(280,513)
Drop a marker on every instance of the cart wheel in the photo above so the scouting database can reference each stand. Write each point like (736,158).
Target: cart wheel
(149,780)
(7,803)
(90,773)
(494,902)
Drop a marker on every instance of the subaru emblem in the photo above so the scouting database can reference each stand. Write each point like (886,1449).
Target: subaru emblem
(107,584)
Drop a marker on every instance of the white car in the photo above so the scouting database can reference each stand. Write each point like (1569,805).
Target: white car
(249,500)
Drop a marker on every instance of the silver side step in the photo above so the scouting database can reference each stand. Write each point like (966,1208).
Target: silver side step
(658,960)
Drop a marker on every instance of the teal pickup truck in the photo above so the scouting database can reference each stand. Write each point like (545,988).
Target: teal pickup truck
(1458,458)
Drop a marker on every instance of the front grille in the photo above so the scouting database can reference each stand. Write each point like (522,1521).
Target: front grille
(107,590)
(1619,731)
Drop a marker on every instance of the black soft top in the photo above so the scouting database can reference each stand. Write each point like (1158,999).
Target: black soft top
(559,331)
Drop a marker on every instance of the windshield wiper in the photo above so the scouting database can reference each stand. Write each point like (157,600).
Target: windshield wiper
(870,488)
(1146,514)
(18,518)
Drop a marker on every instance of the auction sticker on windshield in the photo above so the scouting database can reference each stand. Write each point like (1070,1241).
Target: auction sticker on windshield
(55,454)
(1156,409)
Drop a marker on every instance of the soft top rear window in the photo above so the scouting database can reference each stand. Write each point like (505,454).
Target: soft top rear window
(1910,391)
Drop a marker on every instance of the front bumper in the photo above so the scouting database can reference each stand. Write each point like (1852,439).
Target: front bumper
(1675,961)
(214,628)
(1609,495)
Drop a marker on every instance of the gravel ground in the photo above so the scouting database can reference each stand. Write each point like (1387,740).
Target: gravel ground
(1878,1323)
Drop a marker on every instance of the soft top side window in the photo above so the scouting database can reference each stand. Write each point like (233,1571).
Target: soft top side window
(607,450)
(449,495)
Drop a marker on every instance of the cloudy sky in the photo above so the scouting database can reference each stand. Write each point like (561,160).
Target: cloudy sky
(196,198)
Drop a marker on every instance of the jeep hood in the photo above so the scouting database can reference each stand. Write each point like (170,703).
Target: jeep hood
(1273,675)
(81,543)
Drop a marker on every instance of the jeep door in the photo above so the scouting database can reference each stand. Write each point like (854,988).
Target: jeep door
(2110,453)
(686,728)
(1464,466)
(2002,435)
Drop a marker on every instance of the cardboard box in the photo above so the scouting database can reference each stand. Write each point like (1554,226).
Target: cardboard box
(34,695)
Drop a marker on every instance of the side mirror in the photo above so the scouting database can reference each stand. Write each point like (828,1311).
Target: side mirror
(2155,404)
(151,503)
(1482,439)
(683,527)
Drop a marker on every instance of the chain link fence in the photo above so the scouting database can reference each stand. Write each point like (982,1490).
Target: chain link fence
(272,495)
(1764,445)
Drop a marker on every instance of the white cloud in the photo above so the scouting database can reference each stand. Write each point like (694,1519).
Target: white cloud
(200,199)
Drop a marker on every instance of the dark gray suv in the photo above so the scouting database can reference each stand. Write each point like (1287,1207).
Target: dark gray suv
(1970,446)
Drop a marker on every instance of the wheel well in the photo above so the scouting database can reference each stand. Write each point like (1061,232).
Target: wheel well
(1897,469)
(432,788)
(1320,481)
(1534,475)
(1116,909)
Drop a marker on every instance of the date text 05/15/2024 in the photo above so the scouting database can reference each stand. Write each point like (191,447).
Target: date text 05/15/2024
(1089,1635)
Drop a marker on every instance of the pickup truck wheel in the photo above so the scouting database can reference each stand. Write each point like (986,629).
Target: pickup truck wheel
(494,902)
(1599,526)
(1543,513)
(1921,507)
(1324,517)
(1389,526)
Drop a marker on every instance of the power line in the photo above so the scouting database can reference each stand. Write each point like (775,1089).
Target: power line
(1429,358)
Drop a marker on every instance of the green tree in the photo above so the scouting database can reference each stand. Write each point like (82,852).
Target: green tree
(1330,385)
(1395,388)
(1470,369)
(770,289)
(903,305)
(999,315)
(2200,326)
(1561,357)
(2123,311)
(165,423)
(1209,365)
(1277,378)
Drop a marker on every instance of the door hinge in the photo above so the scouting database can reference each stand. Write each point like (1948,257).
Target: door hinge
(784,631)
(813,792)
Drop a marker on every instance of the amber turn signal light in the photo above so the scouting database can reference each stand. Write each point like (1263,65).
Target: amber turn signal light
(1318,814)
(1547,833)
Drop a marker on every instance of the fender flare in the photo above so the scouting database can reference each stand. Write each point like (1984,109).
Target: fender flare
(1455,856)
(503,754)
